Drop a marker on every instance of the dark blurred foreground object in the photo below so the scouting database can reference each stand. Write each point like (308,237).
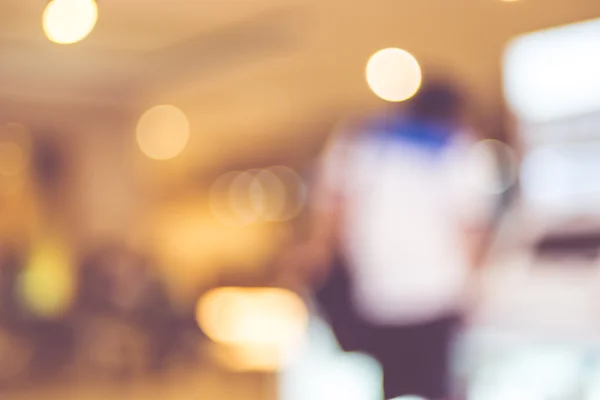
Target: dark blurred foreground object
(574,245)
(124,319)
(16,346)
(31,350)
(335,298)
(10,267)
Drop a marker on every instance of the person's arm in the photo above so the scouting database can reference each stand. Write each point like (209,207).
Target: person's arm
(473,175)
(476,239)
(310,259)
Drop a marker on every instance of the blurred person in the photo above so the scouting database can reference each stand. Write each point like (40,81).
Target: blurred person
(395,232)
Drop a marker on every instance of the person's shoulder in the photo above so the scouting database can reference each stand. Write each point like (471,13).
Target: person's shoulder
(362,130)
(462,141)
(350,130)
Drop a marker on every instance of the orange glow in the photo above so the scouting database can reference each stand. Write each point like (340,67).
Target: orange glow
(12,159)
(245,358)
(255,329)
(252,316)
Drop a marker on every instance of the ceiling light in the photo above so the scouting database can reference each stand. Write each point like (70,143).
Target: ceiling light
(393,74)
(69,21)
(163,132)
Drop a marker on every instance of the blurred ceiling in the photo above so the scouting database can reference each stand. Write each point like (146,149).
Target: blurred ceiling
(261,68)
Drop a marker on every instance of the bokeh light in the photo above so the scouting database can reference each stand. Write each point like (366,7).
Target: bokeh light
(219,198)
(263,195)
(256,328)
(163,132)
(46,286)
(394,74)
(69,21)
(296,192)
(252,316)
(243,196)
(268,195)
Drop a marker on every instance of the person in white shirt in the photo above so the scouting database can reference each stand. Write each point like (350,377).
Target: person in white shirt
(394,203)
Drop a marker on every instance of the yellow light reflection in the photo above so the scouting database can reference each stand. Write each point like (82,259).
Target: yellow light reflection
(194,248)
(163,132)
(394,74)
(69,21)
(253,317)
(46,285)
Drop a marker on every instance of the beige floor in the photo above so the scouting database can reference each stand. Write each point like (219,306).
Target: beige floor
(203,383)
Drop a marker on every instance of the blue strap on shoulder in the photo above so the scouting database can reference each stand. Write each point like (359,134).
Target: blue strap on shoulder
(428,136)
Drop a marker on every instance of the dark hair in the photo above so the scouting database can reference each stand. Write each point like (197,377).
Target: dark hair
(438,100)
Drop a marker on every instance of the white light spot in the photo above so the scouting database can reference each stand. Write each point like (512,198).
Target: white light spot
(394,74)
(69,21)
